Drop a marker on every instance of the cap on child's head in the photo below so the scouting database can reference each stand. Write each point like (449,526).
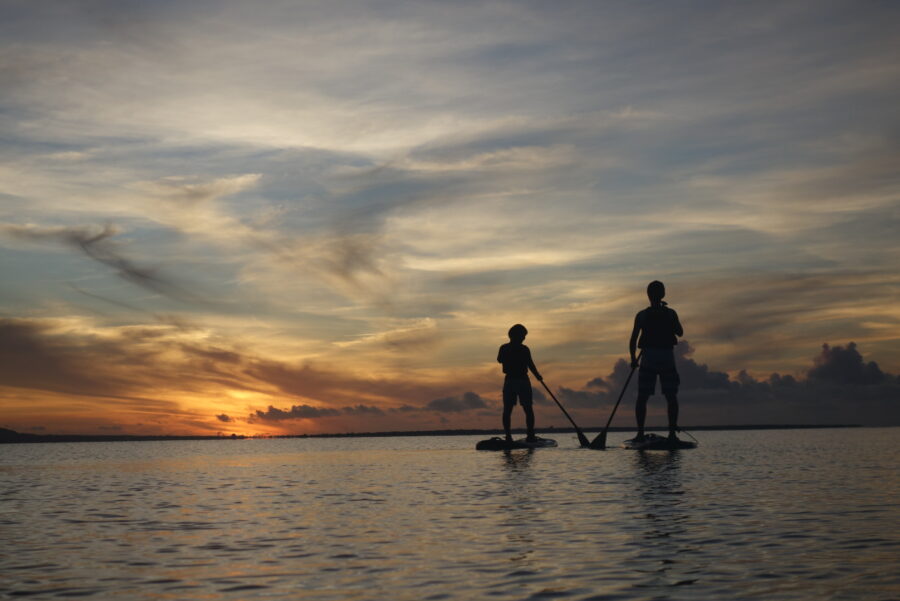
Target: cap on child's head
(656,290)
(518,331)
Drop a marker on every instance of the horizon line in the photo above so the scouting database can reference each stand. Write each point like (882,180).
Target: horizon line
(8,436)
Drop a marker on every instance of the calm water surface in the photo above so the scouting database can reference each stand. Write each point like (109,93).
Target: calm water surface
(809,514)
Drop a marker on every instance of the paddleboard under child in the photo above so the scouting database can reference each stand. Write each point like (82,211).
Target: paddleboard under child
(501,444)
(655,442)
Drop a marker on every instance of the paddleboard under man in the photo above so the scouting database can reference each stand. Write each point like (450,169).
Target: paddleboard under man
(516,360)
(656,331)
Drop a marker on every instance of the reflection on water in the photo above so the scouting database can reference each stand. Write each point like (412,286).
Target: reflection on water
(665,546)
(749,515)
(517,459)
(522,516)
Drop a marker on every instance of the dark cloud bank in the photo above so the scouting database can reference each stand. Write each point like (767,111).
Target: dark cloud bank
(840,387)
(451,404)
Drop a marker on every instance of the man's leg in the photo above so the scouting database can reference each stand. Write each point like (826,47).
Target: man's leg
(646,387)
(669,381)
(640,412)
(672,400)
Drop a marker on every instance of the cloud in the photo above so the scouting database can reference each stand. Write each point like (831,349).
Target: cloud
(840,387)
(295,412)
(224,418)
(34,356)
(273,414)
(180,189)
(362,410)
(95,242)
(305,380)
(455,404)
(411,336)
(845,366)
(133,373)
(540,398)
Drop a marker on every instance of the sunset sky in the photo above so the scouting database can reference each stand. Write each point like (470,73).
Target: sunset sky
(299,217)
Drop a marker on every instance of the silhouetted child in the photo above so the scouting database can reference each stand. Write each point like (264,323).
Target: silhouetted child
(658,327)
(516,360)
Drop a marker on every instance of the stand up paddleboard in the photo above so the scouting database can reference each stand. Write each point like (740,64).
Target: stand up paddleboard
(654,442)
(501,444)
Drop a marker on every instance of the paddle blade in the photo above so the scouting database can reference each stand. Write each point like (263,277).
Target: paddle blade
(582,439)
(599,443)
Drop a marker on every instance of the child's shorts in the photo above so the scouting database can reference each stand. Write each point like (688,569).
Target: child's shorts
(516,388)
(658,362)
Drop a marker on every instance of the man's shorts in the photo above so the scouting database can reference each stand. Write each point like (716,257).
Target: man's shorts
(658,362)
(516,388)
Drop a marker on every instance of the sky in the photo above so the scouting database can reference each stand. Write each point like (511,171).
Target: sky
(306,217)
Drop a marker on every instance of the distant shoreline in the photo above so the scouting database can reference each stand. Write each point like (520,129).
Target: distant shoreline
(13,437)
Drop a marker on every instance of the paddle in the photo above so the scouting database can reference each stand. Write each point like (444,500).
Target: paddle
(599,443)
(582,439)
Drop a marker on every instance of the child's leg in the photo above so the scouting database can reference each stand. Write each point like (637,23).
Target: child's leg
(529,419)
(509,401)
(526,398)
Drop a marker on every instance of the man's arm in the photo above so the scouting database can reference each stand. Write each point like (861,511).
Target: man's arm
(632,344)
(532,367)
(679,331)
(500,354)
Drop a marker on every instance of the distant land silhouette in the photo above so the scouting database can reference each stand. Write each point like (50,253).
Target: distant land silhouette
(12,437)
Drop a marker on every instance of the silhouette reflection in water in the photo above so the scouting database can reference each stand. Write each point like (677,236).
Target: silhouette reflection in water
(665,534)
(518,459)
(520,510)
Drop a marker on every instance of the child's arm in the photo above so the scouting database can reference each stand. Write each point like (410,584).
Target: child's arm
(632,344)
(679,331)
(533,368)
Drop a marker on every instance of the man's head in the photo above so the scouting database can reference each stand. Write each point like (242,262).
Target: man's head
(656,291)
(517,333)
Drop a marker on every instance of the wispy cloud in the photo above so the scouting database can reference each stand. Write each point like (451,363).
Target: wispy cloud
(96,243)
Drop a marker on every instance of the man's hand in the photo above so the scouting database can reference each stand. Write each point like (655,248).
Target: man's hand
(634,363)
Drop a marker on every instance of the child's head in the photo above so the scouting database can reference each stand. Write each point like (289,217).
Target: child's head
(656,291)
(517,333)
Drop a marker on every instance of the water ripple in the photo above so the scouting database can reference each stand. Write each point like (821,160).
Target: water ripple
(749,515)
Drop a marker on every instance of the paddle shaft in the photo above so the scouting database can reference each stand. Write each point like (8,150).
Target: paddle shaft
(581,437)
(599,441)
(621,394)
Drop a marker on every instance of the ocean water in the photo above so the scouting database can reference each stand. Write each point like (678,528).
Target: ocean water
(804,514)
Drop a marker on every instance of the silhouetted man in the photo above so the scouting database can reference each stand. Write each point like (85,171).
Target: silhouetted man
(516,360)
(659,328)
